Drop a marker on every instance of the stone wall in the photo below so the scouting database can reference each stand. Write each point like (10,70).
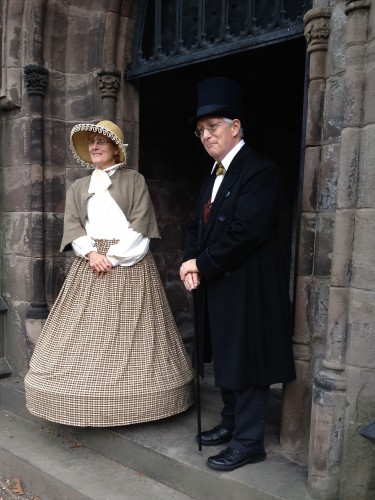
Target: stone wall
(334,339)
(63,64)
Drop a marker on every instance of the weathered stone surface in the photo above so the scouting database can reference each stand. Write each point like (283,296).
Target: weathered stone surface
(325,223)
(306,244)
(325,449)
(16,233)
(57,151)
(296,414)
(336,328)
(342,248)
(79,26)
(310,179)
(366,181)
(75,173)
(368,101)
(53,226)
(15,336)
(354,86)
(318,319)
(333,112)
(16,189)
(336,54)
(54,189)
(358,461)
(314,112)
(361,329)
(302,323)
(347,181)
(363,260)
(357,24)
(84,99)
(328,173)
(16,278)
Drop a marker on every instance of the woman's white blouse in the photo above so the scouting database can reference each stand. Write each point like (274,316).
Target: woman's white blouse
(105,220)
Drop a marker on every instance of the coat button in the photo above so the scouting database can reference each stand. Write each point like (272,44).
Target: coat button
(227,194)
(221,218)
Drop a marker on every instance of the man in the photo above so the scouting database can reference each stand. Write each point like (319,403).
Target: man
(233,262)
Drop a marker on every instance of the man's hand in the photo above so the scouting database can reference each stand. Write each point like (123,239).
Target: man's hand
(99,263)
(189,274)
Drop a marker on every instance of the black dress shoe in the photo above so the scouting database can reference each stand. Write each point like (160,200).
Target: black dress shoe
(217,435)
(230,459)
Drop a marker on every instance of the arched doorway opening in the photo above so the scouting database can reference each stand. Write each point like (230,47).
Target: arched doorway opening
(174,162)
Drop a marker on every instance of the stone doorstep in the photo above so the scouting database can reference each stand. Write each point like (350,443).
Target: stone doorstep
(165,451)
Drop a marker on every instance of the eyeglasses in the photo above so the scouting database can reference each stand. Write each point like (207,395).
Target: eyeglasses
(99,142)
(212,127)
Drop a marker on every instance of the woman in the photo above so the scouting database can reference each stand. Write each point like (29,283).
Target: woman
(110,353)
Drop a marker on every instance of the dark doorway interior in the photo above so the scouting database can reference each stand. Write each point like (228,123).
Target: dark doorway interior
(174,162)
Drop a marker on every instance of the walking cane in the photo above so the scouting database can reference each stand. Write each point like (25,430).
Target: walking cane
(196,363)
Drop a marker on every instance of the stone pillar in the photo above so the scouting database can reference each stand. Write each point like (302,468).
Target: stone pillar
(36,78)
(297,395)
(109,76)
(331,384)
(109,86)
(358,469)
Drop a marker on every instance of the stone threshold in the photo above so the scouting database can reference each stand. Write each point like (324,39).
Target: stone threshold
(165,450)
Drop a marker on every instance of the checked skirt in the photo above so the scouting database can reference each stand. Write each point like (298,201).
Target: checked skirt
(110,353)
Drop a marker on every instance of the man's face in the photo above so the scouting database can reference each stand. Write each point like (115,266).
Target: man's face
(218,137)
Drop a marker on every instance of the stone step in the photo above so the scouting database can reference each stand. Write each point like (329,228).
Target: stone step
(165,451)
(54,468)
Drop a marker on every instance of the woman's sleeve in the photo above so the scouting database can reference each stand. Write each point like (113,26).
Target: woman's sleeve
(73,228)
(83,245)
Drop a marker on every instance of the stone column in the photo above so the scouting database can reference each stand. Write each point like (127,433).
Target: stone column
(330,384)
(109,76)
(358,469)
(109,86)
(36,78)
(297,395)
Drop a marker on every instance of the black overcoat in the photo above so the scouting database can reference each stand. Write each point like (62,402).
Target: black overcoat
(243,307)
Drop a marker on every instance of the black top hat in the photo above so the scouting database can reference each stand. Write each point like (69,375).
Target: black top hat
(219,96)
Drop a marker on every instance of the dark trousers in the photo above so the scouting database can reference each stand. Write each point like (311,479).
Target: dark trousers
(245,412)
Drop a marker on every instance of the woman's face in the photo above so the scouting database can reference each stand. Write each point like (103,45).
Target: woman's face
(102,151)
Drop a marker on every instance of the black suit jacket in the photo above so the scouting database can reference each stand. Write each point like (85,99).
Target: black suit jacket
(243,304)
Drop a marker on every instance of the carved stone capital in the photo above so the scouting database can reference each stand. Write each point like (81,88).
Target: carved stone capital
(317,28)
(36,77)
(109,82)
(351,5)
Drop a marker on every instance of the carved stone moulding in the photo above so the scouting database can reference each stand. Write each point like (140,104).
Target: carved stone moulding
(351,5)
(109,82)
(317,28)
(36,77)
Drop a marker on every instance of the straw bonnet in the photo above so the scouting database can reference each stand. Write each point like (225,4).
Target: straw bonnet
(81,132)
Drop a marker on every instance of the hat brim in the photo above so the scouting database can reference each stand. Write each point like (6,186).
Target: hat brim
(79,146)
(216,110)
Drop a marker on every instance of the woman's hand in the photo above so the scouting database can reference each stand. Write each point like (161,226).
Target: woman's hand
(99,263)
(189,274)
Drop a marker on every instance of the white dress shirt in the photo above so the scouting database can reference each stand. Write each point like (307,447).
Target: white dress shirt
(226,161)
(105,220)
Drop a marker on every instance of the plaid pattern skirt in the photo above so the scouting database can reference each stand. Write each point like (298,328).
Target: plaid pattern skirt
(110,353)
